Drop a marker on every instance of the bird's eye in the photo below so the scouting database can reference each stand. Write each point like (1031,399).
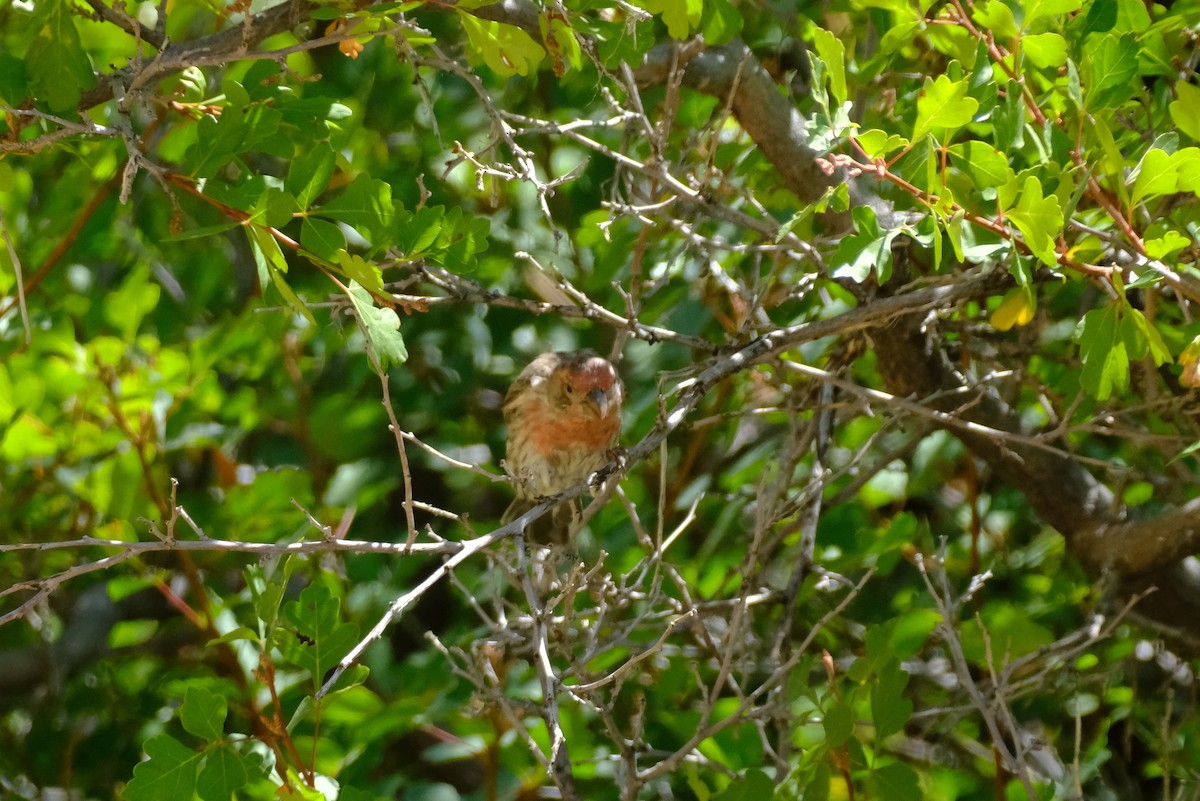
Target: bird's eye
(570,389)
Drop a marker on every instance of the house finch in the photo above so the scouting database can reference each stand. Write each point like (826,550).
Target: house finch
(563,414)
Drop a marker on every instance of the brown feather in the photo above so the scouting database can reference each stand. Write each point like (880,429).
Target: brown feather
(563,413)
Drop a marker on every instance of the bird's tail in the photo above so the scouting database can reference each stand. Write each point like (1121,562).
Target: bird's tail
(555,527)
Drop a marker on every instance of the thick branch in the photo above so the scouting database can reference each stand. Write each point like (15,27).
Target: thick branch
(1063,493)
(1140,553)
(1141,546)
(734,75)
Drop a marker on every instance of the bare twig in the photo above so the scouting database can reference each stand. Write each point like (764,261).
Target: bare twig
(669,763)
(676,625)
(66,128)
(465,550)
(947,608)
(560,760)
(16,262)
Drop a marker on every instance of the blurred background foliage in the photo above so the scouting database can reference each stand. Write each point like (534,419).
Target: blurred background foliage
(161,344)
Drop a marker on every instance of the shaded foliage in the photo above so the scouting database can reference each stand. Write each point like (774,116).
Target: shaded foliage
(902,296)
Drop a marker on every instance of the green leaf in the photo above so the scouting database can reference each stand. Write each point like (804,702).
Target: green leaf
(1187,164)
(1110,71)
(1132,16)
(836,197)
(1008,123)
(226,771)
(310,173)
(266,591)
(1101,17)
(322,237)
(832,53)
(680,16)
(721,22)
(1074,85)
(462,241)
(1102,349)
(901,35)
(911,631)
(982,162)
(996,17)
(817,788)
(14,82)
(956,231)
(194,84)
(1156,176)
(382,328)
(943,105)
(1039,9)
(879,144)
(317,639)
(1009,629)
(1113,163)
(27,438)
(261,128)
(890,709)
(1045,50)
(868,249)
(1163,246)
(1147,338)
(896,781)
(1185,112)
(348,793)
(506,49)
(271,264)
(274,209)
(563,35)
(696,785)
(367,205)
(235,635)
(246,195)
(127,306)
(170,771)
(203,713)
(839,724)
(364,272)
(299,791)
(878,640)
(754,785)
(59,69)
(417,231)
(218,140)
(1039,219)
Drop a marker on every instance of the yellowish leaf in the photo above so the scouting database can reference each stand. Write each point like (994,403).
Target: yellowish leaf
(1017,308)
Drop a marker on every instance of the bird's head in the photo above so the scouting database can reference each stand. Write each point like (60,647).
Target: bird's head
(588,384)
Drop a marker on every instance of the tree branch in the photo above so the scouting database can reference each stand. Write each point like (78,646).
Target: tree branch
(221,45)
(1141,553)
(1060,489)
(119,18)
(734,75)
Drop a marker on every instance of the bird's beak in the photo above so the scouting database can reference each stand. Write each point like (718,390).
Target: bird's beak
(599,399)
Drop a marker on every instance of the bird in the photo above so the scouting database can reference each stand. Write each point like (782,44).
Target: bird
(563,413)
